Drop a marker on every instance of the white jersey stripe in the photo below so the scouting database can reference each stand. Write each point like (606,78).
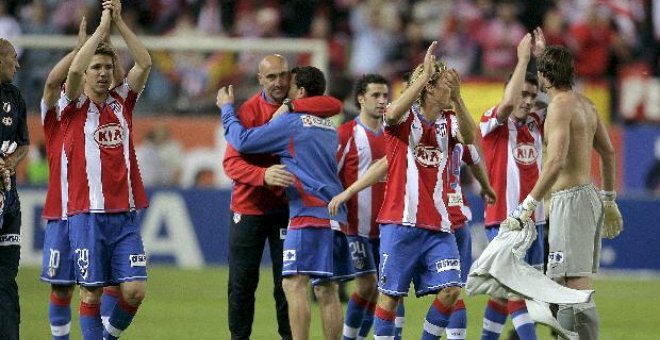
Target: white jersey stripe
(64,182)
(364,196)
(347,148)
(512,173)
(411,196)
(127,157)
(93,161)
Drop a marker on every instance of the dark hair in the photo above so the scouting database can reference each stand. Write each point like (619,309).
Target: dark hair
(104,49)
(529,78)
(556,65)
(310,78)
(364,81)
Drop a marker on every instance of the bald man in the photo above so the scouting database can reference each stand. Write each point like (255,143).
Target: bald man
(15,141)
(258,203)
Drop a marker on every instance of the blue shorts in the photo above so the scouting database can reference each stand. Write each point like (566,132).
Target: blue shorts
(464,243)
(429,259)
(362,254)
(535,253)
(108,248)
(57,262)
(320,253)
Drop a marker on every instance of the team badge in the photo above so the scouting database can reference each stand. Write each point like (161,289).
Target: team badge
(358,262)
(525,153)
(237,218)
(282,233)
(6,106)
(116,108)
(6,121)
(289,255)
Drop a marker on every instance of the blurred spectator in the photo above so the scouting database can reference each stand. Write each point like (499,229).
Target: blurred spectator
(205,178)
(36,22)
(653,176)
(499,38)
(160,158)
(459,47)
(9,27)
(372,36)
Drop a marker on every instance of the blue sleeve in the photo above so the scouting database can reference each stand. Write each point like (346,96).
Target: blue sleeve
(269,138)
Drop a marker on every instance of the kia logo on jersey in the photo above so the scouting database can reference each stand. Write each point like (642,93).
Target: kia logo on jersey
(109,135)
(525,154)
(428,156)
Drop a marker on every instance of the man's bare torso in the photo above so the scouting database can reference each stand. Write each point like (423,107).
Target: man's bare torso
(583,124)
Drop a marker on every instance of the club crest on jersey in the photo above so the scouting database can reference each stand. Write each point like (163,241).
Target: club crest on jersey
(525,154)
(7,121)
(115,106)
(454,199)
(289,255)
(109,135)
(6,106)
(441,129)
(428,156)
(312,121)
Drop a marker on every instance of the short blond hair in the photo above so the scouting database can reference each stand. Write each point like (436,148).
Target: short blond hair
(439,68)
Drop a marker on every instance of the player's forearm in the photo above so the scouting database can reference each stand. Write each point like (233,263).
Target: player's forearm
(16,157)
(479,174)
(608,170)
(399,107)
(466,125)
(138,52)
(512,91)
(374,174)
(74,80)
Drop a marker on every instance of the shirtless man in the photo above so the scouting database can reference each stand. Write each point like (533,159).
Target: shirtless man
(578,216)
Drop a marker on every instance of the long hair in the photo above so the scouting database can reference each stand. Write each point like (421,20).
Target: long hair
(556,65)
(439,68)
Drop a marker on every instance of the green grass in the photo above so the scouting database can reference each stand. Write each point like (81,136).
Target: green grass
(192,304)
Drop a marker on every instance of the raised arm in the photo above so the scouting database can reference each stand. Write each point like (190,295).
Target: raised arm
(513,89)
(75,77)
(57,75)
(137,76)
(399,107)
(375,173)
(466,125)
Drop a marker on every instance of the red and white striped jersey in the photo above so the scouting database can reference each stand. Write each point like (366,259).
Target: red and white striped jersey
(417,179)
(458,206)
(55,207)
(359,147)
(102,169)
(513,156)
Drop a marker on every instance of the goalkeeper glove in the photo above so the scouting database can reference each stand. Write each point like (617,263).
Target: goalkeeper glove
(612,219)
(523,213)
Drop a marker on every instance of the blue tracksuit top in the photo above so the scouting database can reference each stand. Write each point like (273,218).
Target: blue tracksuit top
(307,146)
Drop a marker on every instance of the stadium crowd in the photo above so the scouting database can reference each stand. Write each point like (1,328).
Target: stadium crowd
(477,37)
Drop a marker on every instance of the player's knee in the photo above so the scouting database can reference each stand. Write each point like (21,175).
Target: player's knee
(367,287)
(449,295)
(62,291)
(326,291)
(91,295)
(294,283)
(134,295)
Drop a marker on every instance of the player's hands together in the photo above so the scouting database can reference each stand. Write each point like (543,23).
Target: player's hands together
(453,80)
(538,42)
(525,48)
(612,219)
(523,213)
(337,201)
(277,176)
(429,61)
(115,8)
(225,96)
(82,33)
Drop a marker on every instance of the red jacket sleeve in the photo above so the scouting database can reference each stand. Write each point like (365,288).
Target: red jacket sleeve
(241,171)
(321,106)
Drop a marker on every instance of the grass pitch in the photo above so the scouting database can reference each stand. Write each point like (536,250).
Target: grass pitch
(192,304)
